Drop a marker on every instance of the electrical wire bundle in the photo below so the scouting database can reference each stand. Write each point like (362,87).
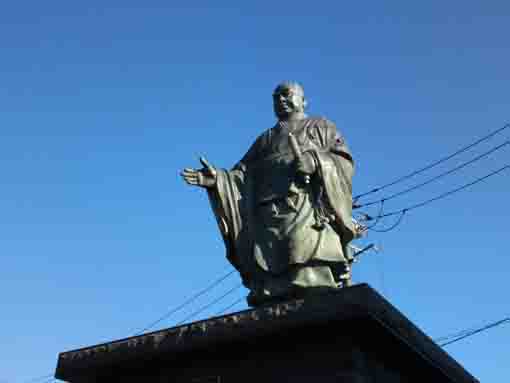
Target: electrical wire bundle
(363,217)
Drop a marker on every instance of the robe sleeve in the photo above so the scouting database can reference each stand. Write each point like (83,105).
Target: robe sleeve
(335,168)
(230,201)
(225,201)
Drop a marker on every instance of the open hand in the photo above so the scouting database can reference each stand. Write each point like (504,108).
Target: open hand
(205,177)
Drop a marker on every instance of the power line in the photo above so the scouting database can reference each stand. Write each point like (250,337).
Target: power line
(49,378)
(433,164)
(205,307)
(446,338)
(366,217)
(187,302)
(390,228)
(225,309)
(402,212)
(436,177)
(441,196)
(476,331)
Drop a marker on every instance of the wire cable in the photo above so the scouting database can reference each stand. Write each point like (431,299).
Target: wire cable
(394,226)
(441,196)
(457,334)
(49,378)
(205,307)
(476,331)
(447,338)
(225,309)
(186,302)
(436,177)
(377,217)
(433,164)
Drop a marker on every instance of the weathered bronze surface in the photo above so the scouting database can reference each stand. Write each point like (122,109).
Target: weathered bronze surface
(284,210)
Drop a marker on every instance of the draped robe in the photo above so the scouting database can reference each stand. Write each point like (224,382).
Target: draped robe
(281,233)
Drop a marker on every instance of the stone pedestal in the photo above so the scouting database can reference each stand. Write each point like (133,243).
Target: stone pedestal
(352,335)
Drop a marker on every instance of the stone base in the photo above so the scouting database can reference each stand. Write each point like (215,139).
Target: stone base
(351,335)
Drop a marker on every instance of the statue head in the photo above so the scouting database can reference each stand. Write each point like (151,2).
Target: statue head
(289,100)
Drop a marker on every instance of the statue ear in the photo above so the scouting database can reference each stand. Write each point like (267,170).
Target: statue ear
(305,103)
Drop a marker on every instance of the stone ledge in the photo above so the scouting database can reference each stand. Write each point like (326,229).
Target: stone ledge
(358,312)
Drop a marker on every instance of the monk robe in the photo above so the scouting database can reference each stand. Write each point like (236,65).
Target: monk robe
(284,234)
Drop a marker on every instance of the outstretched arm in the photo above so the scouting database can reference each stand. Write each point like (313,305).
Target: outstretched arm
(205,177)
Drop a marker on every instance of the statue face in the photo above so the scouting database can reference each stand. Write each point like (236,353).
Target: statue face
(288,100)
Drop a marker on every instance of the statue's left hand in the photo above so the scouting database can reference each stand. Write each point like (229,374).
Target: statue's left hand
(306,164)
(205,177)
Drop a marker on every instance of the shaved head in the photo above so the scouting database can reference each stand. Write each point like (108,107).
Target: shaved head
(286,85)
(289,100)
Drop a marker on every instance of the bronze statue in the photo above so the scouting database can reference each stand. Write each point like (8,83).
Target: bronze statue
(284,210)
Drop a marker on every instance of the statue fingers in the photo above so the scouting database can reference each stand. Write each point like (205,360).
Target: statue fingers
(189,174)
(191,181)
(190,177)
(189,171)
(210,169)
(205,163)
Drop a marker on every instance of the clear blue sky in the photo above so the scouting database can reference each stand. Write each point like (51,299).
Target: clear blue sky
(102,104)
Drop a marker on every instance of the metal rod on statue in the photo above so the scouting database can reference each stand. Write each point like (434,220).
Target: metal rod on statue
(359,252)
(297,153)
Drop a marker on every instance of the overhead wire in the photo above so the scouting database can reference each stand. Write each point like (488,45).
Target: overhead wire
(457,168)
(448,193)
(186,302)
(391,227)
(210,304)
(367,217)
(446,338)
(402,212)
(476,331)
(225,309)
(433,164)
(49,378)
